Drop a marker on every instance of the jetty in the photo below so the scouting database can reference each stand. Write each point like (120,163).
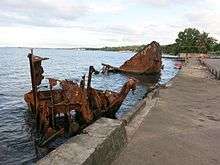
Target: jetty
(184,127)
(177,58)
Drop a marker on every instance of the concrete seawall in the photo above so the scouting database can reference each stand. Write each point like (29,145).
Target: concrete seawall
(98,145)
(102,141)
(213,65)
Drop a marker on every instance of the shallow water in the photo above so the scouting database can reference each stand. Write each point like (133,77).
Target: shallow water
(16,144)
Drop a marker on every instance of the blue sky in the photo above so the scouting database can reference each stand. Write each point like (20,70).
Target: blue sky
(97,23)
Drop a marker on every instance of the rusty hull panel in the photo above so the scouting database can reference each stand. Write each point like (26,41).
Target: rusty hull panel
(147,61)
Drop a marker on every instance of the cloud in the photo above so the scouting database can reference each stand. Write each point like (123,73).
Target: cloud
(207,19)
(40,12)
(111,7)
(103,23)
(59,13)
(164,3)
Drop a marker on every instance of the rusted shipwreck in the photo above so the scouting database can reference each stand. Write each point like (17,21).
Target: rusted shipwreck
(146,61)
(70,107)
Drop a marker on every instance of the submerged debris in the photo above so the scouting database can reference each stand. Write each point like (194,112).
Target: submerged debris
(71,107)
(147,61)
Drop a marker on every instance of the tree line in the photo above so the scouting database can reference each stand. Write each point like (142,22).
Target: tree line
(190,40)
(133,48)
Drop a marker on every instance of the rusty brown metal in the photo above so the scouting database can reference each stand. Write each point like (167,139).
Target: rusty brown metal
(77,104)
(36,77)
(34,87)
(147,61)
(37,68)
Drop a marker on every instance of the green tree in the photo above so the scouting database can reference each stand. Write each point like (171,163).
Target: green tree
(170,49)
(216,47)
(205,43)
(187,40)
(192,41)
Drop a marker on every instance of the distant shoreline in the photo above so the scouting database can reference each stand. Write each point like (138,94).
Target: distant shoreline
(124,49)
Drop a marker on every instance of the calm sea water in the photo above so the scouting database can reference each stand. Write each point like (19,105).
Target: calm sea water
(16,144)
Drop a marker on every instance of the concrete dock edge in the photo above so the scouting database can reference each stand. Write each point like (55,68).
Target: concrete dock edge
(132,112)
(126,118)
(211,66)
(138,115)
(100,144)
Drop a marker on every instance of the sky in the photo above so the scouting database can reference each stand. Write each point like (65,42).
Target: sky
(98,23)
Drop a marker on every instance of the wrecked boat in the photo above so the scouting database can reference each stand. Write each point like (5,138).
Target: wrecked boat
(67,107)
(146,61)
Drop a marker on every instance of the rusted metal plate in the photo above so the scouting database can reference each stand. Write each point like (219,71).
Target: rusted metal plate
(147,61)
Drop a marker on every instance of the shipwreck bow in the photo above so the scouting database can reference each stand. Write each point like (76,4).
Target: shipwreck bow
(147,61)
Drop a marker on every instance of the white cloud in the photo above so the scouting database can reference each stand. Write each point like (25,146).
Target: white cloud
(114,7)
(77,36)
(162,3)
(71,23)
(39,12)
(52,12)
(207,19)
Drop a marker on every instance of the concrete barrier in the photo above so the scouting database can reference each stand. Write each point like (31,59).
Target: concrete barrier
(100,144)
(213,66)
(127,117)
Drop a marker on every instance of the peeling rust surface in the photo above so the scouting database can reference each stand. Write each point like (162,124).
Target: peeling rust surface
(38,69)
(147,61)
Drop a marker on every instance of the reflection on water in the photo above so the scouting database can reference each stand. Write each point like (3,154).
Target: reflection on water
(16,143)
